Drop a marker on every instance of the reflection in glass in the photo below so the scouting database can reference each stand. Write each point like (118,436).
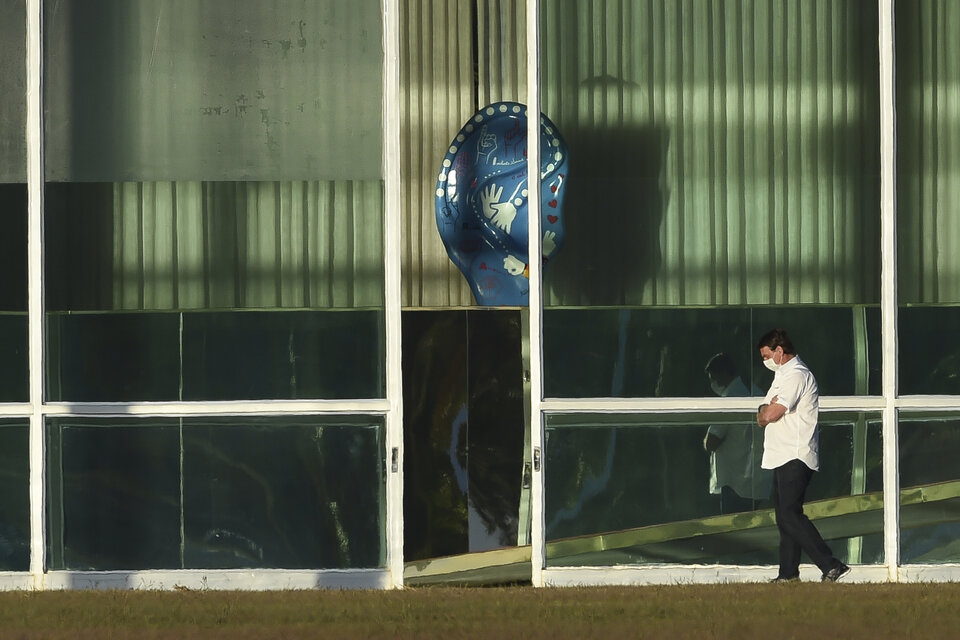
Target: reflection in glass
(930,487)
(230,174)
(636,490)
(165,493)
(14,495)
(637,352)
(464,431)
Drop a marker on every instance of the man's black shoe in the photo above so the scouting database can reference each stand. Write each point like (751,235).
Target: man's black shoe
(836,573)
(780,579)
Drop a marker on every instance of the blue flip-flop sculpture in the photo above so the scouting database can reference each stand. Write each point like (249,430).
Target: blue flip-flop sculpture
(482,201)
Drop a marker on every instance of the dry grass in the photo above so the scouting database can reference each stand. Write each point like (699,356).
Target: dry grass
(698,611)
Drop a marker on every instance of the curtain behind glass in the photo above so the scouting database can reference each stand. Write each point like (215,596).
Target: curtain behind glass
(928,162)
(242,141)
(13,103)
(204,245)
(455,56)
(721,152)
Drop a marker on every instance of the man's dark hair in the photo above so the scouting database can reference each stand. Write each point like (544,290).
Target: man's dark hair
(776,338)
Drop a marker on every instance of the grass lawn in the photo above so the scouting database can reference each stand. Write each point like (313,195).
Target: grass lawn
(806,610)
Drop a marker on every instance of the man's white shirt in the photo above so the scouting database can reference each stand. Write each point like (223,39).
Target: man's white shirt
(794,436)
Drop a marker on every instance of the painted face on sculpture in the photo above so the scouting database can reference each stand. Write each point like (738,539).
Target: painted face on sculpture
(482,196)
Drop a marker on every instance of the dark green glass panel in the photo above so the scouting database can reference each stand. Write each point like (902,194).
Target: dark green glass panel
(14,495)
(99,357)
(14,374)
(294,493)
(463,431)
(169,493)
(929,450)
(647,479)
(929,357)
(13,247)
(240,355)
(14,377)
(662,352)
(113,494)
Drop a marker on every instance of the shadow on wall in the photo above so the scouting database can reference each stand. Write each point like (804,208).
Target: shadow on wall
(615,203)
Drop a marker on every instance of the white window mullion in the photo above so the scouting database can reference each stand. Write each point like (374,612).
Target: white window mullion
(392,288)
(888,290)
(535,301)
(35,180)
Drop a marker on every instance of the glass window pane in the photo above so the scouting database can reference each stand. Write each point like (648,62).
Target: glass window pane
(928,196)
(198,493)
(663,352)
(204,157)
(723,157)
(13,203)
(637,490)
(14,495)
(464,433)
(929,487)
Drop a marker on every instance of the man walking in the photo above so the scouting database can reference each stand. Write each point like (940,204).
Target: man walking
(790,447)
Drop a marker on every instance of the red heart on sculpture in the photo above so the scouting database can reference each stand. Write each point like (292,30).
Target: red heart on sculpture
(553,188)
(552,219)
(552,203)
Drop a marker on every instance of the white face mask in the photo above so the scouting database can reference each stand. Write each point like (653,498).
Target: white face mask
(770,364)
(717,387)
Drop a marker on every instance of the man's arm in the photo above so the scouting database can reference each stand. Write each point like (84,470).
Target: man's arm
(768,413)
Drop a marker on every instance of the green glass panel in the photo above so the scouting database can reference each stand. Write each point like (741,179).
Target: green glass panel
(113,494)
(638,352)
(99,357)
(636,490)
(929,358)
(928,193)
(294,493)
(14,495)
(169,493)
(203,158)
(283,354)
(929,450)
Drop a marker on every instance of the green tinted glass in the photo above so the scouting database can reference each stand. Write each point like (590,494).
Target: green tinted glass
(13,203)
(930,487)
(928,196)
(663,352)
(168,493)
(15,495)
(206,159)
(638,490)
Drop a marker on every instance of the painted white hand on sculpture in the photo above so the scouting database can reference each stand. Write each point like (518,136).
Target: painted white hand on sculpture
(513,265)
(487,143)
(488,198)
(505,213)
(549,243)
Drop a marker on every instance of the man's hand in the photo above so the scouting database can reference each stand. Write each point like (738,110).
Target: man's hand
(768,413)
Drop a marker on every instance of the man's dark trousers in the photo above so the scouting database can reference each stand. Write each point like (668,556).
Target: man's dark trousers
(796,531)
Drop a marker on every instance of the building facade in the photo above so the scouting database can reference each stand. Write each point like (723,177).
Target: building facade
(237,354)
